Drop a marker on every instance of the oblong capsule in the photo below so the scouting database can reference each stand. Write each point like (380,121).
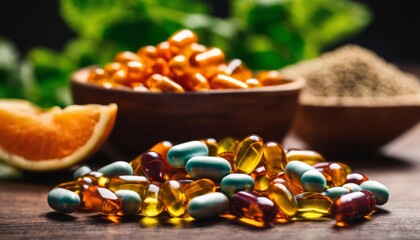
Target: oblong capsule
(230,157)
(274,158)
(253,206)
(63,200)
(248,154)
(101,200)
(353,187)
(162,83)
(285,202)
(281,178)
(306,156)
(236,182)
(93,178)
(313,181)
(335,192)
(294,171)
(128,182)
(83,170)
(183,38)
(154,167)
(73,186)
(261,178)
(212,56)
(379,190)
(179,154)
(116,169)
(333,169)
(174,198)
(237,69)
(270,78)
(222,81)
(208,205)
(199,187)
(313,206)
(152,204)
(212,145)
(131,202)
(193,81)
(352,206)
(356,178)
(214,168)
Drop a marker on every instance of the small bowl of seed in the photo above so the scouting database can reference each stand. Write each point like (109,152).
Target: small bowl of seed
(354,102)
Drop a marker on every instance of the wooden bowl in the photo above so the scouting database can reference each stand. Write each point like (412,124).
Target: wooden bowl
(356,125)
(145,118)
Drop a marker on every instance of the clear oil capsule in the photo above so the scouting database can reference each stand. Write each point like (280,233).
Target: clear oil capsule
(274,158)
(152,204)
(248,154)
(101,200)
(174,198)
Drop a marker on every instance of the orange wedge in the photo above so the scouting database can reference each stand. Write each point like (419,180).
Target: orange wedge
(45,140)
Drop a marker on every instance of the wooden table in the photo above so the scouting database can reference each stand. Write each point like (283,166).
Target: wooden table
(24,212)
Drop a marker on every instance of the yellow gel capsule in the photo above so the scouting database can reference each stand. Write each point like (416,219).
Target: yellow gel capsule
(73,186)
(174,198)
(199,187)
(222,81)
(160,83)
(248,154)
(274,158)
(261,179)
(313,206)
(285,202)
(128,182)
(152,204)
(212,145)
(230,157)
(227,144)
(306,156)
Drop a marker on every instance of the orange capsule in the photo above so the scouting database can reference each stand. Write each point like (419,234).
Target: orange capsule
(111,68)
(101,200)
(270,78)
(126,56)
(237,69)
(136,71)
(230,157)
(159,83)
(96,74)
(222,81)
(139,87)
(178,65)
(193,48)
(120,77)
(166,51)
(160,66)
(148,52)
(252,83)
(182,38)
(194,81)
(212,56)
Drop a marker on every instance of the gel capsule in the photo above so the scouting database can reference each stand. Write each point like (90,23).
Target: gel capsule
(73,186)
(253,206)
(285,202)
(199,187)
(174,198)
(227,144)
(248,154)
(274,158)
(230,157)
(152,204)
(294,171)
(306,156)
(379,190)
(149,52)
(179,154)
(353,187)
(101,200)
(126,56)
(281,178)
(237,69)
(335,192)
(236,182)
(313,206)
(356,178)
(134,183)
(63,200)
(208,205)
(352,206)
(213,168)
(212,145)
(183,38)
(262,180)
(135,71)
(335,170)
(270,78)
(222,81)
(153,166)
(92,178)
(212,56)
(160,83)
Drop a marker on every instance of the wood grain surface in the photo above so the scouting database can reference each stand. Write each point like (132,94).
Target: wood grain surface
(25,214)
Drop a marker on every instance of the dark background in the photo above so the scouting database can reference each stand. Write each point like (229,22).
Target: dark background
(393,33)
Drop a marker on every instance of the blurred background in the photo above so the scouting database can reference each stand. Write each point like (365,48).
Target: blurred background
(42,42)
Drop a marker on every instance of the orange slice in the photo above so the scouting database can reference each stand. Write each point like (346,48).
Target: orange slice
(44,140)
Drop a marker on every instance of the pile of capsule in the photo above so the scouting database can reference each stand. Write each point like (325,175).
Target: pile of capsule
(179,64)
(250,181)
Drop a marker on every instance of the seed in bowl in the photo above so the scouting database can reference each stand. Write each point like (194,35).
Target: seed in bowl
(179,64)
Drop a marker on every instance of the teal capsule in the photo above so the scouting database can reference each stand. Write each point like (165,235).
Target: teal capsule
(353,187)
(208,205)
(335,192)
(116,169)
(63,200)
(81,171)
(236,182)
(294,171)
(179,154)
(131,202)
(313,181)
(214,168)
(379,190)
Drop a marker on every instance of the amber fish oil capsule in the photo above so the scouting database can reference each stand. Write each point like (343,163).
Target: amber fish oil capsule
(174,198)
(249,153)
(101,200)
(152,204)
(274,158)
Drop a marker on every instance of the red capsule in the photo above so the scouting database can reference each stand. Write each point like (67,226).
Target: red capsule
(153,166)
(352,206)
(357,178)
(253,206)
